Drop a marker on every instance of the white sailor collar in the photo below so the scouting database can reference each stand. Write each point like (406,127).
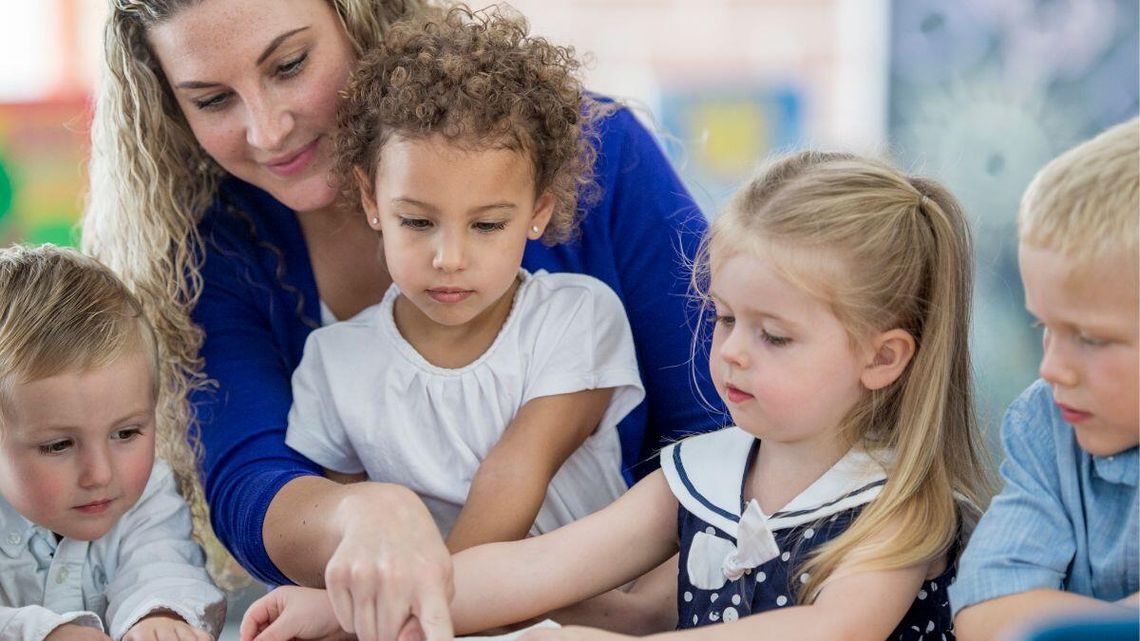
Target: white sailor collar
(706,474)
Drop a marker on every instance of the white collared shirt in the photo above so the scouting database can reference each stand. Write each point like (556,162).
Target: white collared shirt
(146,562)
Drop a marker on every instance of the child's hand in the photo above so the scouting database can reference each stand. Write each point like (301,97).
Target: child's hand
(289,613)
(572,633)
(75,632)
(165,626)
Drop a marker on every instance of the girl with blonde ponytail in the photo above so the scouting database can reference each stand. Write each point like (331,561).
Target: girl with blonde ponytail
(837,504)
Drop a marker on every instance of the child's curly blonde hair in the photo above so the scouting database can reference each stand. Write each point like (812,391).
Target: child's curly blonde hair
(479,80)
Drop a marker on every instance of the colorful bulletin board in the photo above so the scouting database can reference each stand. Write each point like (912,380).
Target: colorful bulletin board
(721,134)
(43,149)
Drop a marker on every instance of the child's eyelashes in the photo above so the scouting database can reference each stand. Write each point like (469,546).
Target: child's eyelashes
(416,224)
(55,447)
(723,320)
(126,434)
(1081,338)
(774,340)
(423,224)
(1090,341)
(728,322)
(488,227)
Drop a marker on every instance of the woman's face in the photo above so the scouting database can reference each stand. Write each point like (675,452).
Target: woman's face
(258,81)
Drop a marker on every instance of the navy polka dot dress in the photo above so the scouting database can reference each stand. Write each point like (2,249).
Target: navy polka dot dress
(706,473)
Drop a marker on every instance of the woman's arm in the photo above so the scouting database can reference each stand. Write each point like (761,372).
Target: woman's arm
(597,553)
(510,485)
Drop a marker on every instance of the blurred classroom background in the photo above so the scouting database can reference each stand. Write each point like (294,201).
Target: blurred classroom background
(977,93)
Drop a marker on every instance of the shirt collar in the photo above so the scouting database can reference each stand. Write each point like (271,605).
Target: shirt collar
(705,473)
(1122,468)
(15,530)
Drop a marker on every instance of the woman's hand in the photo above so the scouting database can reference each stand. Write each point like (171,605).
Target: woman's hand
(391,570)
(289,613)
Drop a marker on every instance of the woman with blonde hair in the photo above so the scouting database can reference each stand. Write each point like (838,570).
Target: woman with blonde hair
(210,196)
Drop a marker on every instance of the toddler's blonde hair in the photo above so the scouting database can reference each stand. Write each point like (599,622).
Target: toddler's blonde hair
(64,312)
(1086,202)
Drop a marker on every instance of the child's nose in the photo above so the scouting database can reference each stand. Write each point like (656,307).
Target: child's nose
(449,252)
(1055,365)
(97,468)
(733,352)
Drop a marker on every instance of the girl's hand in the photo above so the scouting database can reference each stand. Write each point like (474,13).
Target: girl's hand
(76,632)
(289,613)
(573,633)
(165,626)
(391,571)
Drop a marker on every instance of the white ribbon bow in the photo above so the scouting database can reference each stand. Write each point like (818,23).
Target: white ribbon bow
(755,544)
(713,560)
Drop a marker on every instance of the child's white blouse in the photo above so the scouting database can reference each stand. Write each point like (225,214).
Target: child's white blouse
(364,400)
(146,562)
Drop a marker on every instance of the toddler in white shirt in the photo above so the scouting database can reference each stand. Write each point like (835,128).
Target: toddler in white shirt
(95,539)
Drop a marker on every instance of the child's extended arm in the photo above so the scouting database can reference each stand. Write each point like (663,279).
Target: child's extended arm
(502,583)
(160,583)
(510,485)
(995,618)
(165,626)
(858,606)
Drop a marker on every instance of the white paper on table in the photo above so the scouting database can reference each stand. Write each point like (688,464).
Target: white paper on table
(513,635)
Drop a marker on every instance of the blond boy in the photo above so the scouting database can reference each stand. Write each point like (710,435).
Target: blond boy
(1062,536)
(94,537)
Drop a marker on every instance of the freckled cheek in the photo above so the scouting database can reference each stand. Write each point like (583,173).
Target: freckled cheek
(225,143)
(321,99)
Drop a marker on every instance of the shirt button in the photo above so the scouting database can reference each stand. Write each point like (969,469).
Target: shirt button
(61,576)
(14,538)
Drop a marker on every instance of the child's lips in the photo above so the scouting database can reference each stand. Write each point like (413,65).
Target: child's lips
(95,507)
(736,395)
(1073,415)
(449,294)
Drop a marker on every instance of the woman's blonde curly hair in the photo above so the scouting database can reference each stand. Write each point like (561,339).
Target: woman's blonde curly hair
(150,182)
(477,79)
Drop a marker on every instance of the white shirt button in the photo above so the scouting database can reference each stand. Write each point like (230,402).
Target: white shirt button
(14,538)
(61,576)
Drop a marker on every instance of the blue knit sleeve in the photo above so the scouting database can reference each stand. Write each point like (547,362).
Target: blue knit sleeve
(249,357)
